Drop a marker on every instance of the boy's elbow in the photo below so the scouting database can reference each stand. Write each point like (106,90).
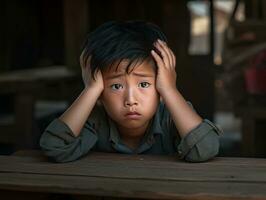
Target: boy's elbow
(205,150)
(55,148)
(65,148)
(54,153)
(61,154)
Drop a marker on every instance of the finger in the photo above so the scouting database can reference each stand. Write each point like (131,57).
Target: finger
(172,57)
(164,55)
(85,61)
(81,59)
(99,74)
(85,67)
(168,52)
(157,58)
(88,62)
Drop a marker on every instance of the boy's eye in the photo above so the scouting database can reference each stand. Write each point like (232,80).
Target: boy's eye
(144,84)
(116,86)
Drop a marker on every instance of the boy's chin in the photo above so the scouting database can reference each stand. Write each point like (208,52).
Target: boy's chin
(133,124)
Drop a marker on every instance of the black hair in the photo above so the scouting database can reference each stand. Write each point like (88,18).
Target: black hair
(115,41)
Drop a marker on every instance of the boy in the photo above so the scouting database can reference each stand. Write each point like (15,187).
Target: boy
(129,70)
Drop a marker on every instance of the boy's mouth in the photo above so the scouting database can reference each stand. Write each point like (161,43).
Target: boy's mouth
(133,115)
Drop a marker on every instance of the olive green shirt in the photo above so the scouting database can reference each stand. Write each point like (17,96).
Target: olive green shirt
(100,134)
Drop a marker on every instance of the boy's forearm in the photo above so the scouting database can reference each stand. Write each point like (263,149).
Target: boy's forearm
(77,114)
(184,117)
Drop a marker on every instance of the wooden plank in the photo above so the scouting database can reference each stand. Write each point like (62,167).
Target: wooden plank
(137,176)
(35,80)
(121,187)
(16,195)
(39,74)
(180,172)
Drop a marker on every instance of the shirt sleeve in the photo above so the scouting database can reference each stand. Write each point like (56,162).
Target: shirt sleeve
(59,143)
(201,144)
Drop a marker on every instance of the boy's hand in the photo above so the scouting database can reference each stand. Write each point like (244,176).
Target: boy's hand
(166,74)
(87,77)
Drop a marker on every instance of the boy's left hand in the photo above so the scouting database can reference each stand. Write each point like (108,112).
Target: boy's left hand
(166,74)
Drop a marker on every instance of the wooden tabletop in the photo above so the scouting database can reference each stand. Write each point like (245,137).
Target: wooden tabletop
(137,176)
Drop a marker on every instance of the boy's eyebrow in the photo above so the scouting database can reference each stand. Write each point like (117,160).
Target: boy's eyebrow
(115,76)
(142,74)
(134,73)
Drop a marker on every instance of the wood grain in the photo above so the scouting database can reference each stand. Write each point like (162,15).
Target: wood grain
(137,176)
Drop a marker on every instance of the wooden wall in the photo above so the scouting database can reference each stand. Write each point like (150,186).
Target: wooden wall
(31,34)
(47,32)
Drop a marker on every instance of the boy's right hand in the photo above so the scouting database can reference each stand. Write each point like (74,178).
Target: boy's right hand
(88,80)
(77,114)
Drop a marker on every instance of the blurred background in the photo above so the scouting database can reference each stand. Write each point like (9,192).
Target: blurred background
(220,46)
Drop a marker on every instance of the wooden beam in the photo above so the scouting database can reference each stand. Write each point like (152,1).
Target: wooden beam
(76,22)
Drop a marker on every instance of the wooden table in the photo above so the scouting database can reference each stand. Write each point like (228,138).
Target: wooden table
(27,86)
(134,176)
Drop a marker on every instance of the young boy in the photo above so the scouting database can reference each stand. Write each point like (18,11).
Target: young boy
(130,103)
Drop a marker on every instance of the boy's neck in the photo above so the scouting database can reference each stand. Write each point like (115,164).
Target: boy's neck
(131,143)
(132,137)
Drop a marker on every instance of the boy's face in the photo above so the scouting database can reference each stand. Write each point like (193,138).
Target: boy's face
(130,99)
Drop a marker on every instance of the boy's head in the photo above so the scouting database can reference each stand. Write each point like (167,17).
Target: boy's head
(122,51)
(117,41)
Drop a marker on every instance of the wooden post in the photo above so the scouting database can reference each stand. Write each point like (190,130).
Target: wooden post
(76,25)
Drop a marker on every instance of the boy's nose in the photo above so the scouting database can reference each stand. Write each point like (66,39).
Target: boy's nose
(130,99)
(130,103)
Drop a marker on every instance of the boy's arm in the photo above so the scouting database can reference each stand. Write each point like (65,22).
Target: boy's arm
(183,115)
(69,137)
(59,143)
(199,137)
(77,114)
